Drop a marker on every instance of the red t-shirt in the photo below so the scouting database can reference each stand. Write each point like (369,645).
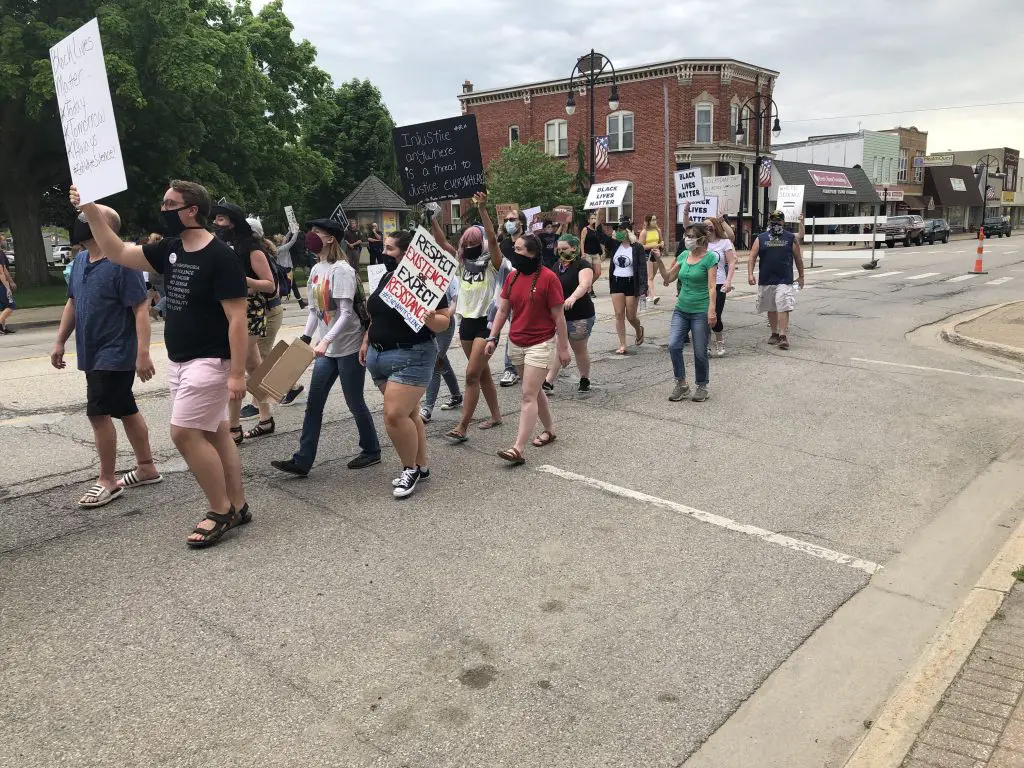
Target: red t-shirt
(532,322)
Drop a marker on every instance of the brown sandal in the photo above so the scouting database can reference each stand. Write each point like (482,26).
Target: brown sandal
(221,525)
(512,456)
(540,441)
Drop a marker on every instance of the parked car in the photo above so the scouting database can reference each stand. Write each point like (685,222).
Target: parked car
(997,225)
(936,229)
(62,254)
(905,229)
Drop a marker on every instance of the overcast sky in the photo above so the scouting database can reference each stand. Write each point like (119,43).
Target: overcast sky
(843,59)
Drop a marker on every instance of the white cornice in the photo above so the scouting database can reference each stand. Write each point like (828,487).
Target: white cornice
(682,69)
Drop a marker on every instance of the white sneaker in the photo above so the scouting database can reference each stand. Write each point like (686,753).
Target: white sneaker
(426,415)
(720,349)
(509,379)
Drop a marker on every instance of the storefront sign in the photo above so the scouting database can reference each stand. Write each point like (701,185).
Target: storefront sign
(1008,198)
(958,185)
(830,179)
(941,158)
(891,195)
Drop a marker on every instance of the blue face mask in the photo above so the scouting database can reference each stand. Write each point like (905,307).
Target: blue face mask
(511,227)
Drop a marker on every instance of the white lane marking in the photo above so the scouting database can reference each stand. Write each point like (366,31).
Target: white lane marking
(823,271)
(722,522)
(923,276)
(851,272)
(960,278)
(938,370)
(888,274)
(999,281)
(1007,253)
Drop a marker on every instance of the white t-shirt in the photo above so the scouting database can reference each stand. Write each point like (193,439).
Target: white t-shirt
(721,247)
(623,261)
(477,283)
(327,284)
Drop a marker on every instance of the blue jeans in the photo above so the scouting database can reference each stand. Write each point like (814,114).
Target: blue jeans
(444,343)
(327,370)
(682,324)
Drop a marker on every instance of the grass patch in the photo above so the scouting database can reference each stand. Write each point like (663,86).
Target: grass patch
(1019,574)
(51,295)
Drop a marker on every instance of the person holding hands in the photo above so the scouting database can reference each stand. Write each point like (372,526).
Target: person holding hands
(696,268)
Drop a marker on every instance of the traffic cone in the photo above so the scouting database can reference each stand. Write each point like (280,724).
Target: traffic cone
(978,268)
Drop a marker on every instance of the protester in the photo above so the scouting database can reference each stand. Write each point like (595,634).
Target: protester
(513,227)
(654,247)
(232,227)
(443,367)
(206,340)
(375,244)
(628,282)
(353,245)
(337,305)
(479,260)
(401,362)
(695,310)
(595,240)
(720,241)
(108,311)
(7,289)
(532,295)
(778,250)
(291,243)
(576,276)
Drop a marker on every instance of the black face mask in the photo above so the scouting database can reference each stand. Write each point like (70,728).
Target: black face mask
(525,264)
(172,224)
(223,233)
(472,252)
(80,232)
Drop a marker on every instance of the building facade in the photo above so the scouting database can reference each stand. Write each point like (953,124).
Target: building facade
(913,147)
(877,153)
(673,115)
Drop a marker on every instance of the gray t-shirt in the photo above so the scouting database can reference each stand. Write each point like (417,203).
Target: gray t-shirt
(332,291)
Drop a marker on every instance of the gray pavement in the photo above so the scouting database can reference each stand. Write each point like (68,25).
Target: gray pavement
(517,617)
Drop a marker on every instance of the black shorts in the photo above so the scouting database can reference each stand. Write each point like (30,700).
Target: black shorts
(653,257)
(624,285)
(473,328)
(109,393)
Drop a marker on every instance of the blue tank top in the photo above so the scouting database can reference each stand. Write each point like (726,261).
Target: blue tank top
(775,254)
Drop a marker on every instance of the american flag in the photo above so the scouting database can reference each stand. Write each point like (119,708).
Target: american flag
(601,152)
(764,174)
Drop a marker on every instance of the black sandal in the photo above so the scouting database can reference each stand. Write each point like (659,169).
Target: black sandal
(242,517)
(237,435)
(222,524)
(261,429)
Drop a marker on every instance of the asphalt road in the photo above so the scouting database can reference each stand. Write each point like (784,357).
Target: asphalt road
(654,579)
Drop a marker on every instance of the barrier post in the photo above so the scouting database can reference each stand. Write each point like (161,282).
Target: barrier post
(978,267)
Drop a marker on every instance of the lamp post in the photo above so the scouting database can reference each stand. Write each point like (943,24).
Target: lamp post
(760,114)
(589,73)
(982,169)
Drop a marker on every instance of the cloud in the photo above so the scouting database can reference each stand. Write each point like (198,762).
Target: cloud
(845,59)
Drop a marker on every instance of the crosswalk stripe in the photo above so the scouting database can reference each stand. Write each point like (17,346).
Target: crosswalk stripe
(823,271)
(960,278)
(922,277)
(888,274)
(999,281)
(851,272)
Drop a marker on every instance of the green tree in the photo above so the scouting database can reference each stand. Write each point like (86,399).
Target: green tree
(202,89)
(351,127)
(582,180)
(525,175)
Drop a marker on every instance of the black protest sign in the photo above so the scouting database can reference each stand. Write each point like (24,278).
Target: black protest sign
(439,160)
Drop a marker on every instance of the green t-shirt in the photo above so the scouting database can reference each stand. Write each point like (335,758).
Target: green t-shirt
(693,283)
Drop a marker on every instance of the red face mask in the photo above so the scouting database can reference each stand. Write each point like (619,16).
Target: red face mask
(313,242)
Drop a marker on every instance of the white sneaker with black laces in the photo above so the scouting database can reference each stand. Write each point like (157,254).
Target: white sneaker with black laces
(509,379)
(405,483)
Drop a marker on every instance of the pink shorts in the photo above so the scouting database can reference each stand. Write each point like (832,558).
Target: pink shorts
(199,393)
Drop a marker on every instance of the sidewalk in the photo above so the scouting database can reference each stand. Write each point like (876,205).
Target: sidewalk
(996,330)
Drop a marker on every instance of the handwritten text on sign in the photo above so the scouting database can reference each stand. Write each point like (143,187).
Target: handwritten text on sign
(700,210)
(87,115)
(421,279)
(689,185)
(439,160)
(608,195)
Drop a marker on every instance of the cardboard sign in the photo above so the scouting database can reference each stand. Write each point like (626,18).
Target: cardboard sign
(439,160)
(504,209)
(609,195)
(533,224)
(689,185)
(563,214)
(420,282)
(791,201)
(293,223)
(87,114)
(280,370)
(374,273)
(701,209)
(728,191)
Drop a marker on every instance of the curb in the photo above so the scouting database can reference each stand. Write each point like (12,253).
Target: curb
(949,333)
(910,707)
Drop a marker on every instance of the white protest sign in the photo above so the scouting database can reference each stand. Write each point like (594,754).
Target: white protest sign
(791,201)
(529,213)
(374,273)
(421,279)
(727,189)
(87,114)
(608,195)
(701,209)
(293,223)
(689,185)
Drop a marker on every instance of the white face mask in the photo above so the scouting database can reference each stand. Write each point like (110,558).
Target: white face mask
(511,227)
(690,243)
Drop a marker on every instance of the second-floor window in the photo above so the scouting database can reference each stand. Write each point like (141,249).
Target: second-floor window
(620,131)
(513,135)
(903,166)
(556,138)
(703,117)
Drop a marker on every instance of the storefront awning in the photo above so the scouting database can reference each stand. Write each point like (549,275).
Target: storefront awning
(952,186)
(828,183)
(919,203)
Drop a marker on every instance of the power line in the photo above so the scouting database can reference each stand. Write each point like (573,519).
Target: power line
(906,111)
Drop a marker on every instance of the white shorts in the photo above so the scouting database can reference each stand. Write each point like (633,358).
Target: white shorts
(776,298)
(538,356)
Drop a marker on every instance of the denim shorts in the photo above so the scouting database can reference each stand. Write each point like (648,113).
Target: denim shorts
(579,330)
(413,367)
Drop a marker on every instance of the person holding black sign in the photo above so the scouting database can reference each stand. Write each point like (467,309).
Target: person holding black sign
(401,362)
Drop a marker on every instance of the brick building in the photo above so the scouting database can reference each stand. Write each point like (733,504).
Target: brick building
(910,171)
(702,101)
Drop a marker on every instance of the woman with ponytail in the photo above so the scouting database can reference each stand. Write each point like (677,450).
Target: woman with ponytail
(696,268)
(576,274)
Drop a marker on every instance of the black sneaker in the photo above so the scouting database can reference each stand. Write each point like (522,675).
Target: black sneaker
(405,483)
(290,467)
(303,304)
(455,401)
(250,412)
(7,331)
(364,460)
(293,393)
(424,475)
(547,386)
(584,384)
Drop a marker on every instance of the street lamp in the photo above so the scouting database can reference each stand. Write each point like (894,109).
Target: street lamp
(982,168)
(769,111)
(589,73)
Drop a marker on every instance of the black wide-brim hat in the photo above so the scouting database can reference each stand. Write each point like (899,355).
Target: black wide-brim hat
(237,216)
(328,225)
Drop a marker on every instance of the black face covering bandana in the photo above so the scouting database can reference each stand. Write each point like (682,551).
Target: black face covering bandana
(80,231)
(223,233)
(172,224)
(472,252)
(525,264)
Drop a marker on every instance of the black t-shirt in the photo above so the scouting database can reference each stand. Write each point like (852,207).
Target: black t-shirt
(507,245)
(352,237)
(548,257)
(376,245)
(196,282)
(570,280)
(388,327)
